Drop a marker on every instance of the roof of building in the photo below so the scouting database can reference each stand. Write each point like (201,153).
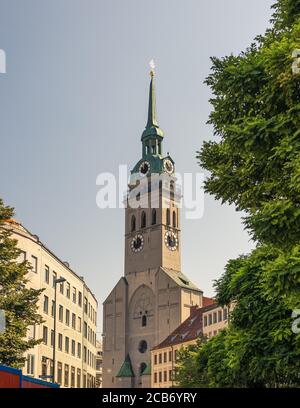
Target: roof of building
(126,368)
(181,279)
(206,301)
(188,330)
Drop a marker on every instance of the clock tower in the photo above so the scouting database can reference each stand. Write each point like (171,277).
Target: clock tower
(154,296)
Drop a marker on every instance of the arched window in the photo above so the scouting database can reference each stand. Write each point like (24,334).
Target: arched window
(144,321)
(168,216)
(174,219)
(153,216)
(133,223)
(143,220)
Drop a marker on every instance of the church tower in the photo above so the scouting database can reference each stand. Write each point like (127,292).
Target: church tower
(153,297)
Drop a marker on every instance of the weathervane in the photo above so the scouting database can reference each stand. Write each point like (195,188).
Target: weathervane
(152,66)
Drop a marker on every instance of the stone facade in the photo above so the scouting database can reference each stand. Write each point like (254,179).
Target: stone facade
(153,297)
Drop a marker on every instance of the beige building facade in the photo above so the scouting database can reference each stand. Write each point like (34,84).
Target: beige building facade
(154,296)
(76,315)
(208,321)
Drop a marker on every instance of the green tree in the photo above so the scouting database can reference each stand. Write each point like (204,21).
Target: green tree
(18,302)
(254,163)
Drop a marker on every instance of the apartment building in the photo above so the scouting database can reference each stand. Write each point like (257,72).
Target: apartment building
(76,316)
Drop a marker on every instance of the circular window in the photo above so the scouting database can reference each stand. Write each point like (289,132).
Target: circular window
(143,346)
(142,368)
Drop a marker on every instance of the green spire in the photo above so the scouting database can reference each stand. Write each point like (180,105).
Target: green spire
(126,369)
(152,128)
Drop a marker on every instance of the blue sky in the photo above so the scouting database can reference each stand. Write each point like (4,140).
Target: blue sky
(74,104)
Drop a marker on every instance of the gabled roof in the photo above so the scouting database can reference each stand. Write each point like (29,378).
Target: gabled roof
(186,331)
(180,279)
(126,368)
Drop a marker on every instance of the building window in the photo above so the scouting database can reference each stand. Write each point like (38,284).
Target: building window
(220,315)
(84,354)
(61,313)
(68,290)
(153,221)
(160,376)
(45,334)
(143,346)
(215,317)
(170,375)
(44,366)
(165,357)
(60,342)
(133,223)
(165,376)
(170,356)
(144,321)
(67,317)
(74,295)
(80,299)
(52,338)
(54,277)
(205,321)
(47,273)
(66,375)
(85,329)
(160,358)
(79,324)
(34,263)
(59,372)
(225,314)
(78,378)
(73,377)
(174,219)
(52,308)
(78,350)
(155,377)
(209,319)
(73,321)
(22,256)
(31,332)
(85,305)
(168,216)
(175,355)
(67,344)
(61,286)
(73,347)
(143,220)
(155,358)
(46,304)
(30,364)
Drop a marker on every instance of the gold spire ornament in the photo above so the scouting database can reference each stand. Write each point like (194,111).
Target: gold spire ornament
(152,67)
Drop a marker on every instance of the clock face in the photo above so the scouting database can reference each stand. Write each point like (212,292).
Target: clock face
(144,168)
(168,166)
(137,243)
(171,240)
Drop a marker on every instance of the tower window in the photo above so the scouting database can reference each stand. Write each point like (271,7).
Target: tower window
(153,149)
(174,219)
(143,220)
(142,368)
(153,216)
(143,346)
(133,223)
(168,216)
(144,321)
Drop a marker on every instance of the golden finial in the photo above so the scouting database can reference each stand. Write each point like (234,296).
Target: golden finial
(152,66)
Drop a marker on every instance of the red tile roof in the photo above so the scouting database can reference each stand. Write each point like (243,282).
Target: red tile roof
(188,330)
(206,301)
